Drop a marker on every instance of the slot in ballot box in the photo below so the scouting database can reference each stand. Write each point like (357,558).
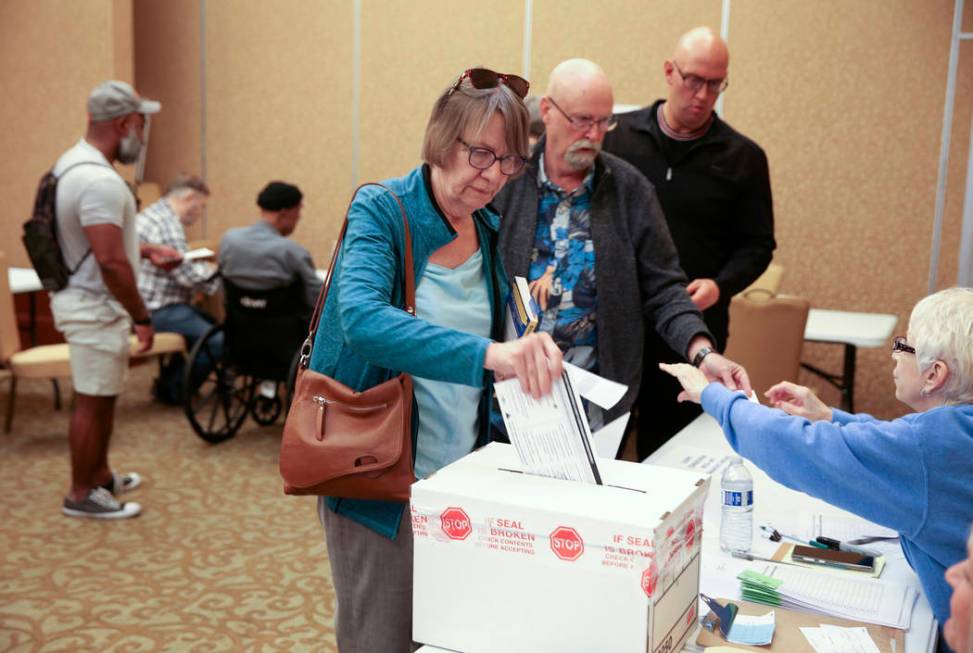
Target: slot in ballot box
(510,561)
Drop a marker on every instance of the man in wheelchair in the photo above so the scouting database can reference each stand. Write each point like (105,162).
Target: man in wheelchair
(270,287)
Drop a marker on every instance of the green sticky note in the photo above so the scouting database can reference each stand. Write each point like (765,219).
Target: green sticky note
(750,577)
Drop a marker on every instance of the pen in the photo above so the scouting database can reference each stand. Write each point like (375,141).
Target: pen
(775,536)
(831,543)
(743,555)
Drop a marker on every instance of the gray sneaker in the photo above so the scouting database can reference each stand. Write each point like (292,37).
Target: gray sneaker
(100,504)
(122,483)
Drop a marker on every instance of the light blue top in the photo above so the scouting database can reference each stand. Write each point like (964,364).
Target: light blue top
(455,298)
(911,474)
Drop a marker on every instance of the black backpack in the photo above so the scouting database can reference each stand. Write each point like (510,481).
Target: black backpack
(40,234)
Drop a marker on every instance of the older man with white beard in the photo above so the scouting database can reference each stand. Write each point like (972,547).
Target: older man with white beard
(586,230)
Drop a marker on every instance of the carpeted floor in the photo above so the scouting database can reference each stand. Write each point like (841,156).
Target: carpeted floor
(219,560)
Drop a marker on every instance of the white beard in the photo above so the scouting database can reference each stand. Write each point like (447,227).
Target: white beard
(129,148)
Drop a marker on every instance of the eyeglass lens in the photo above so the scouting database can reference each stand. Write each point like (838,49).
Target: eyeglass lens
(695,82)
(481,158)
(584,124)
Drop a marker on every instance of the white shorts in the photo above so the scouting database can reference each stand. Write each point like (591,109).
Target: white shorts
(97,329)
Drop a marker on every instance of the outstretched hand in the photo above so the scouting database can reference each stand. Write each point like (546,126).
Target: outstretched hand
(717,367)
(798,400)
(534,359)
(693,381)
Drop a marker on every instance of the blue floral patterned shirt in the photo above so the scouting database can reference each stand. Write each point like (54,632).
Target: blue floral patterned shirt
(565,254)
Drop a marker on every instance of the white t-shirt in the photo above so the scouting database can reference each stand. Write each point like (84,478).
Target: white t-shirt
(89,195)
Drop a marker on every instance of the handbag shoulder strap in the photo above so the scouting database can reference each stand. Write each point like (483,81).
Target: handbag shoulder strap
(408,271)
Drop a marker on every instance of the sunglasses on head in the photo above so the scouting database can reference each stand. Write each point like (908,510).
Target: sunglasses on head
(485,78)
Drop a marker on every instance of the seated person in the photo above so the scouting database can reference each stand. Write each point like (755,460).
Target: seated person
(958,629)
(260,257)
(911,474)
(168,293)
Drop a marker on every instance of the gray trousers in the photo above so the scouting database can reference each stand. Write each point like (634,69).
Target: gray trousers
(372,578)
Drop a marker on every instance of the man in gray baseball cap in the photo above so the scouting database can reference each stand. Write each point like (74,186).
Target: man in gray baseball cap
(113,99)
(99,307)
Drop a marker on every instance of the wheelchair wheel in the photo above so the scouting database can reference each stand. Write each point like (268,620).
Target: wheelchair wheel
(266,409)
(220,403)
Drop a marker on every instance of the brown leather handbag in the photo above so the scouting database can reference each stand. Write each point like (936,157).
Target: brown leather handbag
(342,443)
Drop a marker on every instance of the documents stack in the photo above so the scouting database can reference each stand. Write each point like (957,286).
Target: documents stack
(860,599)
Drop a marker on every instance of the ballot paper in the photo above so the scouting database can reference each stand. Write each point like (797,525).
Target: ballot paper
(551,434)
(835,639)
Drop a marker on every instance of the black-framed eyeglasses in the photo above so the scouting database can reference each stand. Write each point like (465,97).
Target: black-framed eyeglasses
(695,82)
(899,344)
(482,158)
(584,123)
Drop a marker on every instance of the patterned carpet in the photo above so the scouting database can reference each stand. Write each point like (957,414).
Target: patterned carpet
(219,560)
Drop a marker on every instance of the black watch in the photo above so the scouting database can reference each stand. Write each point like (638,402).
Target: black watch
(700,355)
(146,322)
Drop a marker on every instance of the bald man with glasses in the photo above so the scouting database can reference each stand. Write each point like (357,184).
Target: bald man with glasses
(714,187)
(586,230)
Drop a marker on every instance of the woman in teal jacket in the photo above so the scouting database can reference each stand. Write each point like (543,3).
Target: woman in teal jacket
(476,139)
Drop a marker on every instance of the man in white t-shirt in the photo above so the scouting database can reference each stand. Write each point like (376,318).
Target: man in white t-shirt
(95,312)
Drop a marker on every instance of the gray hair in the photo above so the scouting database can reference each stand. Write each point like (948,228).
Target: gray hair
(941,328)
(468,110)
(184,183)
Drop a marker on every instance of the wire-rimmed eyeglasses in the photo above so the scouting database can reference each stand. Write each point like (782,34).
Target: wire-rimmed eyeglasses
(482,158)
(695,82)
(584,123)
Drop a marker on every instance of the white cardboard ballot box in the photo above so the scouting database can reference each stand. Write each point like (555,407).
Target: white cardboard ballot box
(507,561)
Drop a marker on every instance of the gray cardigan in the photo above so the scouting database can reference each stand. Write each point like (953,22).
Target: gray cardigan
(636,266)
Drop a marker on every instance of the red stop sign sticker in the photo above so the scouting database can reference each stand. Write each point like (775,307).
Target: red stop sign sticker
(649,579)
(566,543)
(455,523)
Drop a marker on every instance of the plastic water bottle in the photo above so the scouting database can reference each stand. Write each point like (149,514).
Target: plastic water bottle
(736,525)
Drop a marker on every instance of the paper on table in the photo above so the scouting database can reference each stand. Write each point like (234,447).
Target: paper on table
(752,630)
(609,436)
(724,649)
(808,526)
(835,639)
(202,252)
(861,599)
(695,459)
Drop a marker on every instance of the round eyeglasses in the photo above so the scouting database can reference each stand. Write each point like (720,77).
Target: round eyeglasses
(695,82)
(482,158)
(584,123)
(899,344)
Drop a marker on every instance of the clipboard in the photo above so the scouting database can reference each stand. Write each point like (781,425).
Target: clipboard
(789,639)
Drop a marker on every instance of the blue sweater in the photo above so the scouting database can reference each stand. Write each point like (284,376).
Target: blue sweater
(365,337)
(913,474)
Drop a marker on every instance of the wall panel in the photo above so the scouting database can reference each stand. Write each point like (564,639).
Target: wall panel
(278,106)
(52,54)
(410,53)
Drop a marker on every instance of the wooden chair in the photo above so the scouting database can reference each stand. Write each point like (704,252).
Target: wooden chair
(50,361)
(766,336)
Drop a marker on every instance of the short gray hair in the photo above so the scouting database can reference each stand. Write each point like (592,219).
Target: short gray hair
(468,109)
(184,183)
(941,328)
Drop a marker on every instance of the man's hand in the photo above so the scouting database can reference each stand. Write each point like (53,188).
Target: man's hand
(161,256)
(692,380)
(717,367)
(144,333)
(703,292)
(798,400)
(534,359)
(540,289)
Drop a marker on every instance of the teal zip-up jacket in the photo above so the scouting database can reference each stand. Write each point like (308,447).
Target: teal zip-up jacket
(365,337)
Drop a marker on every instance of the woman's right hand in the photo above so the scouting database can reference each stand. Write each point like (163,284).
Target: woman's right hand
(534,359)
(798,400)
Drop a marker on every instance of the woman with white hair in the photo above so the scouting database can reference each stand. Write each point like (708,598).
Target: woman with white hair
(913,474)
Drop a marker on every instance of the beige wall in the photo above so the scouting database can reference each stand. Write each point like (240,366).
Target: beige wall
(846,97)
(52,53)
